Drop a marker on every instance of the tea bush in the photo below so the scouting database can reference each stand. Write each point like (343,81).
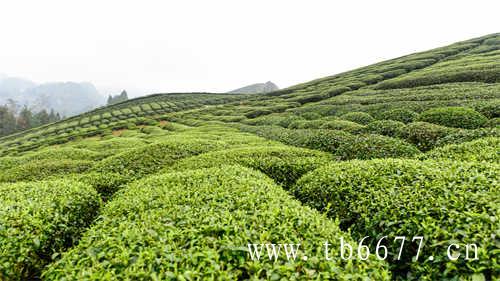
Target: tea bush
(445,202)
(389,128)
(484,149)
(462,136)
(39,220)
(358,117)
(400,114)
(284,164)
(370,146)
(40,169)
(493,123)
(151,158)
(196,226)
(343,125)
(424,135)
(458,117)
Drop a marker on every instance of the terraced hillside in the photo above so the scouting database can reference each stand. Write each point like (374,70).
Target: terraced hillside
(175,186)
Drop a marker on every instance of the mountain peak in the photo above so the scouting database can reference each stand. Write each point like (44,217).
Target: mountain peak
(256,88)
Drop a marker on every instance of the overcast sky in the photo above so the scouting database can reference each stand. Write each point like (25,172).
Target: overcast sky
(170,46)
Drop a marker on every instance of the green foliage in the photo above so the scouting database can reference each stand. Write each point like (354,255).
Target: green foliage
(484,149)
(343,125)
(389,128)
(461,136)
(284,164)
(358,117)
(375,146)
(458,117)
(41,169)
(493,123)
(151,158)
(38,220)
(445,202)
(424,135)
(196,225)
(400,114)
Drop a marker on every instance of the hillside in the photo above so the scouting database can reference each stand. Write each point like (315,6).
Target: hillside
(257,88)
(174,186)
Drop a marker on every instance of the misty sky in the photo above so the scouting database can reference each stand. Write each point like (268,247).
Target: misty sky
(169,46)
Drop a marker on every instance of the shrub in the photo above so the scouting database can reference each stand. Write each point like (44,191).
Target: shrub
(310,115)
(444,202)
(424,135)
(385,127)
(41,169)
(196,226)
(39,220)
(257,112)
(400,114)
(461,136)
(358,117)
(106,184)
(485,149)
(458,117)
(151,158)
(284,164)
(343,125)
(375,146)
(493,123)
(325,140)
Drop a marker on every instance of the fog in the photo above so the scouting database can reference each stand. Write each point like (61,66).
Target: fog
(216,46)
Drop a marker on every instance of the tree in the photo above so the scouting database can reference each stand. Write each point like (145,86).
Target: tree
(123,96)
(24,119)
(7,121)
(41,118)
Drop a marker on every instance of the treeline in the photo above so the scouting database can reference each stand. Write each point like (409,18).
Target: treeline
(12,121)
(118,98)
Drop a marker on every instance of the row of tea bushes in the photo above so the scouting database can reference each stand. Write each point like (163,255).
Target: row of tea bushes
(342,144)
(39,220)
(445,202)
(484,149)
(41,169)
(284,164)
(196,225)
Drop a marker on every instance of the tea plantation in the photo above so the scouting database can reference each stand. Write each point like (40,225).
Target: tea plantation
(175,186)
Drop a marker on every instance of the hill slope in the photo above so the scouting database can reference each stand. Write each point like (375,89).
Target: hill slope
(183,182)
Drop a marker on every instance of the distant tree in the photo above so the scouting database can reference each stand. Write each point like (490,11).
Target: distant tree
(7,121)
(24,119)
(41,118)
(123,96)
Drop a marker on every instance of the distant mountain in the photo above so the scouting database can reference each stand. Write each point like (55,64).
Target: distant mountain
(256,88)
(67,98)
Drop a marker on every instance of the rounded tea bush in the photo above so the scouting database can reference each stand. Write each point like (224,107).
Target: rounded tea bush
(458,117)
(485,149)
(370,146)
(445,202)
(358,117)
(462,136)
(40,219)
(424,135)
(344,125)
(284,164)
(389,128)
(400,114)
